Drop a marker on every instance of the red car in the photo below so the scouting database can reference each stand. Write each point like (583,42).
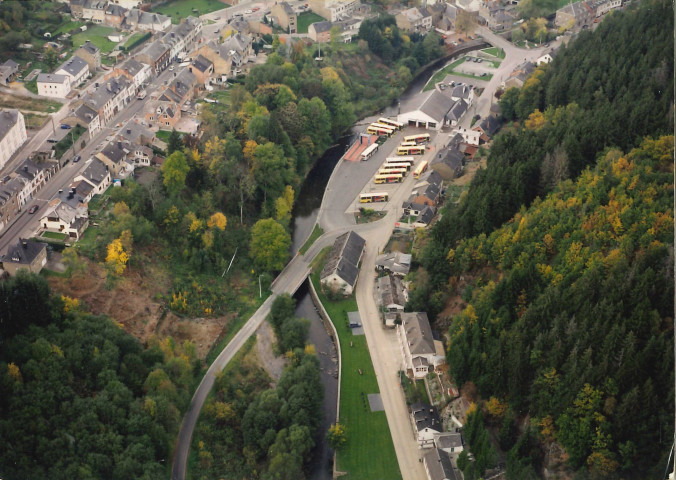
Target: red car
(33,209)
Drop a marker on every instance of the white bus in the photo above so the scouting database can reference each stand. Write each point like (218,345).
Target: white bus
(370,150)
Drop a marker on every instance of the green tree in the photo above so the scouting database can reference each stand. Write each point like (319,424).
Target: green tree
(269,247)
(175,142)
(174,172)
(337,436)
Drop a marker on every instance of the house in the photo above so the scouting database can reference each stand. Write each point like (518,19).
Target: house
(26,254)
(8,72)
(128,4)
(396,263)
(155,54)
(133,132)
(575,16)
(91,54)
(182,37)
(349,28)
(76,69)
(342,267)
(136,72)
(425,217)
(426,424)
(118,157)
(518,77)
(35,176)
(415,19)
(605,6)
(462,92)
(161,114)
(431,109)
(63,218)
(51,85)
(391,294)
(421,353)
(546,58)
(450,442)
(425,194)
(86,117)
(110,97)
(146,21)
(114,15)
(448,163)
(320,31)
(412,208)
(202,68)
(12,133)
(334,10)
(438,466)
(183,87)
(97,174)
(285,17)
(9,199)
(93,11)
(487,128)
(471,137)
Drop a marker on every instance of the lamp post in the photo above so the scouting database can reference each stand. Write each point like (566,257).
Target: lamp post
(260,291)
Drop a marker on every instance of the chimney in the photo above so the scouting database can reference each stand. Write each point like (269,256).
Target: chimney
(24,244)
(119,145)
(128,131)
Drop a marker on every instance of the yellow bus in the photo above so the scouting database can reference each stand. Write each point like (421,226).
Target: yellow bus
(391,123)
(405,165)
(385,171)
(374,197)
(420,169)
(419,138)
(417,150)
(381,131)
(408,144)
(388,178)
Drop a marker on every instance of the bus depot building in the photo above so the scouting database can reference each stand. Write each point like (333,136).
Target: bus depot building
(433,110)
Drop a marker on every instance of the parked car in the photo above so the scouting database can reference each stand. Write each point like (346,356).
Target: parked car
(52,140)
(248,11)
(65,126)
(171,68)
(33,209)
(255,9)
(76,158)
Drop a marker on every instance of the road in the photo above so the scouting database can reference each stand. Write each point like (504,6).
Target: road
(26,225)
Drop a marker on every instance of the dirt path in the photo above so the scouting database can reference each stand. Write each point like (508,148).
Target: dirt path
(265,350)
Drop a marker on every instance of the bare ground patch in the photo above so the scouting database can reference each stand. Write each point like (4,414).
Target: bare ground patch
(265,351)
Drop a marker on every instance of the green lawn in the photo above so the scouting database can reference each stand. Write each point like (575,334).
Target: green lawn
(441,74)
(98,36)
(54,235)
(496,52)
(66,27)
(369,451)
(316,233)
(178,9)
(131,39)
(306,19)
(164,135)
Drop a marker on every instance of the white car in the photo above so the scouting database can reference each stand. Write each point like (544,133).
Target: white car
(249,11)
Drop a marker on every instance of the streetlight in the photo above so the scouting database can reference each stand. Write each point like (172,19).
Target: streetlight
(260,291)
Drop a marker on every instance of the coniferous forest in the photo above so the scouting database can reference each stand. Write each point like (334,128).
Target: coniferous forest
(562,253)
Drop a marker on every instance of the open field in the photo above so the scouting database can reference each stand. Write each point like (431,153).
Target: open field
(178,9)
(97,35)
(496,52)
(306,19)
(28,104)
(368,434)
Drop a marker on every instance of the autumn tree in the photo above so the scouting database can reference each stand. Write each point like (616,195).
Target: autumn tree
(174,172)
(116,258)
(269,247)
(337,436)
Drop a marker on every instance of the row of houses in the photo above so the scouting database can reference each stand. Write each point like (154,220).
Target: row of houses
(65,78)
(582,14)
(118,14)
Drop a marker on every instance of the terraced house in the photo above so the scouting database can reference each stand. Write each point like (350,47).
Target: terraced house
(12,134)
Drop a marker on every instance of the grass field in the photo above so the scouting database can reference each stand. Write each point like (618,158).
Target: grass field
(316,233)
(54,235)
(98,36)
(25,103)
(178,9)
(496,52)
(66,27)
(306,19)
(369,451)
(441,74)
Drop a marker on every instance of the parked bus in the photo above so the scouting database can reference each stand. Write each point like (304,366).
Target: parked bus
(408,144)
(383,132)
(392,123)
(374,197)
(417,150)
(370,150)
(405,165)
(420,169)
(419,138)
(409,160)
(385,171)
(389,178)
(382,125)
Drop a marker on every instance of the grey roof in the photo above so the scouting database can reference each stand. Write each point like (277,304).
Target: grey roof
(132,132)
(96,172)
(106,91)
(155,50)
(52,78)
(439,466)
(448,440)
(425,216)
(287,9)
(85,114)
(140,17)
(395,262)
(435,104)
(90,47)
(490,125)
(10,67)
(353,318)
(116,151)
(10,64)
(179,86)
(237,42)
(132,66)
(433,178)
(24,252)
(29,169)
(426,416)
(73,66)
(11,188)
(178,32)
(116,10)
(458,110)
(321,27)
(8,118)
(460,91)
(391,291)
(344,257)
(418,333)
(201,63)
(451,157)
(81,188)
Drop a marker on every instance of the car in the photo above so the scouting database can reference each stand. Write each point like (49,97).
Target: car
(33,209)
(255,9)
(65,126)
(76,158)
(171,68)
(52,140)
(248,11)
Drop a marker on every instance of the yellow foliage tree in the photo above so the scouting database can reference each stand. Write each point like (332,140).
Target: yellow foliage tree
(217,220)
(14,372)
(496,408)
(535,121)
(249,150)
(69,304)
(173,216)
(120,209)
(284,204)
(117,258)
(208,239)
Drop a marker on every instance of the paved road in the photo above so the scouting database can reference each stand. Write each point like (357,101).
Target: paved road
(26,225)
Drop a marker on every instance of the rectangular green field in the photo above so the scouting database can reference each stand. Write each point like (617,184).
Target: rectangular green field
(306,19)
(98,36)
(441,74)
(496,52)
(178,9)
(369,451)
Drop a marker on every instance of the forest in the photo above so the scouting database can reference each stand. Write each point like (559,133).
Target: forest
(79,397)
(249,430)
(562,252)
